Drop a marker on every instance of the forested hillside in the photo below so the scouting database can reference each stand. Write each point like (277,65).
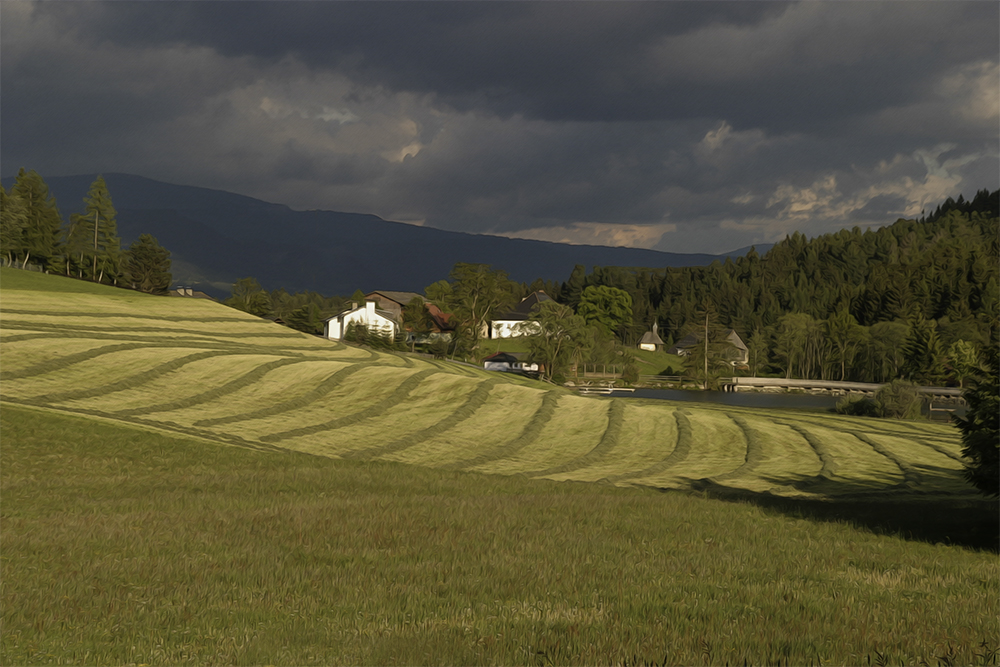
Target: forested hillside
(902,300)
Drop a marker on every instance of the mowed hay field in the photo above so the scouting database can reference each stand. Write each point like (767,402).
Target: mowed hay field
(182,483)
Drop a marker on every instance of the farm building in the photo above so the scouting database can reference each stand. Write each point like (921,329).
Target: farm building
(736,352)
(505,362)
(651,340)
(394,303)
(505,325)
(375,319)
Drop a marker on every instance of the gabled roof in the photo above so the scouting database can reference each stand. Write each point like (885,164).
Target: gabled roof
(402,298)
(522,311)
(693,339)
(651,338)
(501,358)
(441,319)
(378,311)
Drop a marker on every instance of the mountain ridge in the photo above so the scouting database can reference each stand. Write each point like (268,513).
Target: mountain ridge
(216,237)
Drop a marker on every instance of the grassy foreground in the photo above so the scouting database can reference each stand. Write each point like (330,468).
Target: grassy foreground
(122,546)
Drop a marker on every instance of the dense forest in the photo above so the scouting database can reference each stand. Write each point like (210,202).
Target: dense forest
(905,300)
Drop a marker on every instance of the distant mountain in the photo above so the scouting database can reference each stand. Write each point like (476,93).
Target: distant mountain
(217,237)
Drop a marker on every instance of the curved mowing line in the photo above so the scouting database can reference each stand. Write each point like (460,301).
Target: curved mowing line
(828,467)
(941,450)
(616,417)
(528,436)
(397,396)
(212,394)
(17,338)
(330,383)
(162,426)
(126,383)
(134,316)
(64,328)
(682,448)
(57,363)
(755,450)
(217,344)
(910,475)
(475,401)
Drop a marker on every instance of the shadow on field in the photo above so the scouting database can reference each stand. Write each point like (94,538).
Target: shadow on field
(965,521)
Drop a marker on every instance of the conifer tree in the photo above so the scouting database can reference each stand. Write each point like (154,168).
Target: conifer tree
(93,234)
(147,265)
(40,237)
(13,219)
(980,434)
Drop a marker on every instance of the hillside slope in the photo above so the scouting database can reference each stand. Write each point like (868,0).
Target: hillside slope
(217,237)
(202,369)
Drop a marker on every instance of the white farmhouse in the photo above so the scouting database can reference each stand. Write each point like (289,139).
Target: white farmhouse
(506,325)
(377,321)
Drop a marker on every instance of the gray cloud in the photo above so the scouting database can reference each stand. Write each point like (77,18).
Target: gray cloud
(688,126)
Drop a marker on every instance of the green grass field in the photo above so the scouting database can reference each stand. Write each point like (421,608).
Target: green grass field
(182,483)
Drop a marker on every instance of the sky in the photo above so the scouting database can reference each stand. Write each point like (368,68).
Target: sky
(677,126)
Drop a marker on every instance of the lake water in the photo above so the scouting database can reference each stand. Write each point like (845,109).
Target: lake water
(750,399)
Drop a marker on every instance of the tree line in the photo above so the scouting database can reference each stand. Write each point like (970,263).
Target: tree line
(916,299)
(32,233)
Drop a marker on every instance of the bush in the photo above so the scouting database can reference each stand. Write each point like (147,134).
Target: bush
(899,400)
(858,406)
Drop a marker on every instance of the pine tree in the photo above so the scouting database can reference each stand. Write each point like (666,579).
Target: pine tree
(40,238)
(980,435)
(13,219)
(93,235)
(147,266)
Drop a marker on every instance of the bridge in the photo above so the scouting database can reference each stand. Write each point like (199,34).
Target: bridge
(751,384)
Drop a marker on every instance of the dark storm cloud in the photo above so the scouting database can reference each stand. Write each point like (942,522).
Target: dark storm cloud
(773,65)
(711,124)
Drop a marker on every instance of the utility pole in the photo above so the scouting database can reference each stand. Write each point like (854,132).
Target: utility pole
(704,385)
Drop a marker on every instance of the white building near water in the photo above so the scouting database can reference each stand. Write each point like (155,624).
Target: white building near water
(377,321)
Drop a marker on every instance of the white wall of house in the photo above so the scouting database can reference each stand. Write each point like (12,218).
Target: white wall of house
(336,326)
(651,347)
(510,329)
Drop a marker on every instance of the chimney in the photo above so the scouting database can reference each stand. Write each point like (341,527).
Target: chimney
(369,311)
(188,291)
(354,305)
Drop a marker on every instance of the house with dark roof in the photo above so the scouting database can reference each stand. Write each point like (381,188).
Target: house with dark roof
(394,303)
(505,362)
(735,352)
(190,293)
(651,341)
(505,325)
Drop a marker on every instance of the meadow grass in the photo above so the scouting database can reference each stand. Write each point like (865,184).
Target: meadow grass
(184,483)
(127,546)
